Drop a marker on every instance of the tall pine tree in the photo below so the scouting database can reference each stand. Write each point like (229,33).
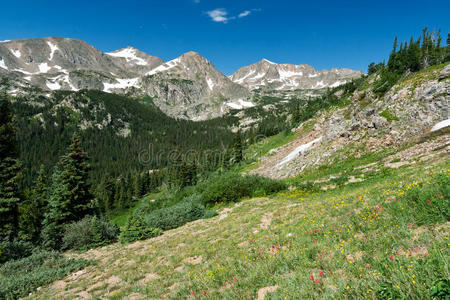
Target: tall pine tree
(70,196)
(9,173)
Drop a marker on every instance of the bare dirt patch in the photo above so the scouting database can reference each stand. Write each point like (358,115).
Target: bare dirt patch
(195,260)
(266,220)
(265,290)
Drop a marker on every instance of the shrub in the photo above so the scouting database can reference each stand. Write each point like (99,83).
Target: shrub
(90,232)
(209,213)
(16,249)
(136,229)
(190,209)
(230,187)
(23,276)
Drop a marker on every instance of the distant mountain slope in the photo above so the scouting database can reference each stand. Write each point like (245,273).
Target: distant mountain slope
(187,87)
(267,74)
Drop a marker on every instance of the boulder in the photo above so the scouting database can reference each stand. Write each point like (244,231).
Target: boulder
(445,72)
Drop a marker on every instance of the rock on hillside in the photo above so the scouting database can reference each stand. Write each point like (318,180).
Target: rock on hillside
(404,114)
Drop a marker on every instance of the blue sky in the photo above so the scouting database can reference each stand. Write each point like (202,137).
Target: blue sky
(231,34)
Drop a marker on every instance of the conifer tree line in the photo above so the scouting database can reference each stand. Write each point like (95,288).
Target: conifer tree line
(427,50)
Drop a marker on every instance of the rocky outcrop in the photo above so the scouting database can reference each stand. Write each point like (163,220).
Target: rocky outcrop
(404,114)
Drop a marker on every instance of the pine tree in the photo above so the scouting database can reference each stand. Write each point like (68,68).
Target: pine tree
(238,155)
(106,194)
(32,211)
(9,173)
(70,196)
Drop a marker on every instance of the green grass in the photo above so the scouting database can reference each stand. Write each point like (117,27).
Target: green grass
(380,238)
(389,116)
(21,277)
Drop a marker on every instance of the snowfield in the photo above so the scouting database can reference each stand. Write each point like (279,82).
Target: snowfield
(297,151)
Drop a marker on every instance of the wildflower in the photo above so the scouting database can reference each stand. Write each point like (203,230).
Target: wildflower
(320,274)
(204,292)
(367,266)
(312,277)
(391,257)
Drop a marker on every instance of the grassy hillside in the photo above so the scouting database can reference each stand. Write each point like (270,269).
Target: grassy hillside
(382,238)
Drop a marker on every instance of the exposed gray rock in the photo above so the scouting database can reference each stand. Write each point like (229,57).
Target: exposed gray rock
(445,72)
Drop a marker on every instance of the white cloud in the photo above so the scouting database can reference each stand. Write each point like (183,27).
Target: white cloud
(244,14)
(218,15)
(221,15)
(196,1)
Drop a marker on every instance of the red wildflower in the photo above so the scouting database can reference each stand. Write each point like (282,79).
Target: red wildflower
(312,277)
(367,266)
(204,292)
(234,279)
(415,250)
(409,227)
(391,257)
(320,274)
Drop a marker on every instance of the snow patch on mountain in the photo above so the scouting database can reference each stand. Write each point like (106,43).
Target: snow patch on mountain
(53,49)
(268,61)
(121,84)
(297,151)
(16,53)
(23,71)
(210,83)
(337,83)
(164,67)
(130,55)
(44,68)
(53,85)
(3,65)
(441,125)
(240,105)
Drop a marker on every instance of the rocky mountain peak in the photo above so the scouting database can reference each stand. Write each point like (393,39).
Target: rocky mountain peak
(269,75)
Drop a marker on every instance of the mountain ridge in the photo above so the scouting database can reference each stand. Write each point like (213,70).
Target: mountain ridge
(188,86)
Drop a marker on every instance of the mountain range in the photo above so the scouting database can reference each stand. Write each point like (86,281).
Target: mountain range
(187,87)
